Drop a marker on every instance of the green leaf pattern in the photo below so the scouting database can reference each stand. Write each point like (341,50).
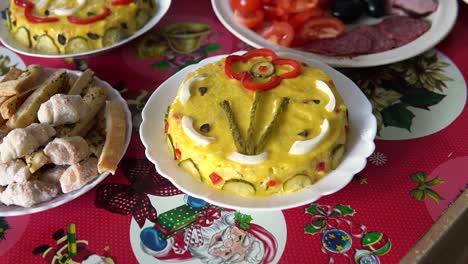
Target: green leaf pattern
(423,189)
(416,82)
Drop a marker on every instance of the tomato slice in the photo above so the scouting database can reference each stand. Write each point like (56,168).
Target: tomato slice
(325,4)
(295,6)
(249,19)
(246,5)
(274,13)
(281,33)
(300,18)
(320,28)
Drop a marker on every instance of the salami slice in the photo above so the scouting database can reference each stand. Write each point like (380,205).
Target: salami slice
(380,42)
(403,29)
(348,44)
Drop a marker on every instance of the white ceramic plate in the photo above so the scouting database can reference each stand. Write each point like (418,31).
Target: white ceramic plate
(442,22)
(162,6)
(112,95)
(360,145)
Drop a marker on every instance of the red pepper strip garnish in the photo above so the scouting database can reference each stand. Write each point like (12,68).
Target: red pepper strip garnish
(166,127)
(296,71)
(215,178)
(28,13)
(321,166)
(121,2)
(249,83)
(83,21)
(35,19)
(178,154)
(271,183)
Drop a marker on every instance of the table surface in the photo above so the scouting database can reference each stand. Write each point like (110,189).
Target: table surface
(417,171)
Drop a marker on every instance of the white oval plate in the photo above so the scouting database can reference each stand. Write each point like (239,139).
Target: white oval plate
(442,22)
(7,39)
(112,95)
(363,127)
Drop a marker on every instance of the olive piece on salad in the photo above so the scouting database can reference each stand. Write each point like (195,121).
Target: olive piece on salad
(375,8)
(347,10)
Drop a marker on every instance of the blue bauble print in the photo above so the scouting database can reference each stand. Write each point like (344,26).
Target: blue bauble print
(336,241)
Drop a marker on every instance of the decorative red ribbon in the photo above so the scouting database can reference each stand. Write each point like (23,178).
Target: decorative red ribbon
(133,198)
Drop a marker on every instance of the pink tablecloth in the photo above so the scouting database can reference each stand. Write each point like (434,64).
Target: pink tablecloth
(418,169)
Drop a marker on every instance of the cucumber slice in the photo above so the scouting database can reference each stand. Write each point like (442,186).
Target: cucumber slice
(22,36)
(262,69)
(46,44)
(189,166)
(337,155)
(142,16)
(77,45)
(112,35)
(239,187)
(296,183)
(170,144)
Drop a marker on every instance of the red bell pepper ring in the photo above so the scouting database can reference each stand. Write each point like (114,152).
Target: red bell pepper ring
(248,81)
(228,66)
(260,53)
(89,20)
(121,2)
(28,13)
(296,67)
(244,58)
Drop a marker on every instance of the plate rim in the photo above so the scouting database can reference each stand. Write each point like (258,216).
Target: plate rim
(424,43)
(366,140)
(56,202)
(7,40)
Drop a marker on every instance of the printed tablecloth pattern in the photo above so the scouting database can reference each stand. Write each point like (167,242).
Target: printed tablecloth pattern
(417,171)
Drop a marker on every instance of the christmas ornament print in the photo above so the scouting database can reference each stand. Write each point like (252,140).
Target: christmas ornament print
(69,248)
(365,257)
(336,241)
(377,243)
(338,232)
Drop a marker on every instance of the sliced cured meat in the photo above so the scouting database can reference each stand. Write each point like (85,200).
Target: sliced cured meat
(403,29)
(416,7)
(380,42)
(348,44)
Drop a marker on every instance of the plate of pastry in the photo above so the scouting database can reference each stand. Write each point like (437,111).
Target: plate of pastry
(62,29)
(63,132)
(258,130)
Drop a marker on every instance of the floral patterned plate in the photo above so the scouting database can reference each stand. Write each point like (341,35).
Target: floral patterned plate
(360,145)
